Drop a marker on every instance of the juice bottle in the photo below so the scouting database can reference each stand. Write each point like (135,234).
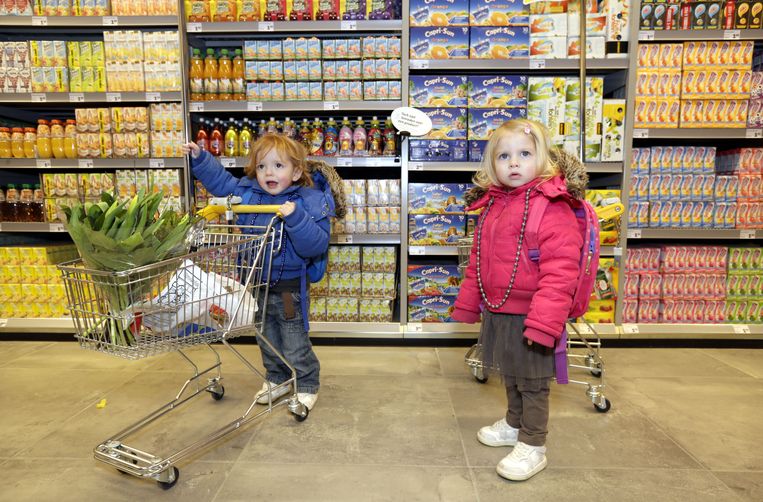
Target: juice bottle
(374,138)
(216,140)
(38,204)
(316,138)
(17,142)
(196,76)
(245,140)
(211,75)
(272,126)
(224,75)
(330,139)
(390,138)
(202,138)
(231,139)
(289,128)
(11,203)
(359,138)
(26,199)
(304,134)
(30,142)
(57,139)
(43,139)
(238,84)
(345,138)
(70,139)
(5,143)
(2,205)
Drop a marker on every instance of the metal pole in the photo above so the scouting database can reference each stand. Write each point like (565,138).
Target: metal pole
(583,10)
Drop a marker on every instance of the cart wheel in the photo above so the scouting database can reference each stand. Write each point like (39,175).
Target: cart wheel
(301,417)
(479,374)
(605,408)
(480,379)
(217,393)
(596,371)
(166,485)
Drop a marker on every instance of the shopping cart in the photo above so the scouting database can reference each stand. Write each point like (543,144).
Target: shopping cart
(581,353)
(215,293)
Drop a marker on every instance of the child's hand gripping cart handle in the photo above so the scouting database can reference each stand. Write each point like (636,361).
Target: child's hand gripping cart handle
(231,205)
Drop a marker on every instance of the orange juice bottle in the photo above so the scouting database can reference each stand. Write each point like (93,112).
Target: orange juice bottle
(238,83)
(57,139)
(225,74)
(70,139)
(211,76)
(196,76)
(43,139)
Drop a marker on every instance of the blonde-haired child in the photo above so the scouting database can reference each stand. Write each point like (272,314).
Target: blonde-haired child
(524,303)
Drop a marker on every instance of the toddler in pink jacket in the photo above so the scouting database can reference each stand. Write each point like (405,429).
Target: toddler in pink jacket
(524,303)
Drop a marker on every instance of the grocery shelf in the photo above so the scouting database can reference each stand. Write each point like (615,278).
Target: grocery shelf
(516,64)
(332,161)
(89,21)
(692,331)
(610,251)
(157,163)
(37,325)
(688,133)
(686,35)
(693,233)
(433,250)
(591,167)
(31,227)
(307,27)
(355,329)
(89,97)
(470,331)
(292,106)
(365,238)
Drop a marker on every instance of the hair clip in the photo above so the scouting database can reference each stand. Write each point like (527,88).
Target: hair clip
(527,129)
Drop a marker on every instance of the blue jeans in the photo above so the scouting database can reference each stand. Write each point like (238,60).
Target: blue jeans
(288,336)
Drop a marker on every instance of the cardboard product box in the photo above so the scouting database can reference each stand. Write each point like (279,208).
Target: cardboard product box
(437,198)
(492,91)
(436,230)
(546,102)
(374,310)
(447,123)
(431,308)
(512,42)
(618,15)
(439,13)
(595,47)
(483,121)
(549,25)
(613,124)
(548,47)
(436,150)
(498,13)
(439,43)
(437,91)
(431,280)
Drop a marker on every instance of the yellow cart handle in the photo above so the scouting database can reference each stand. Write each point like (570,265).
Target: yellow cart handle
(213,211)
(610,212)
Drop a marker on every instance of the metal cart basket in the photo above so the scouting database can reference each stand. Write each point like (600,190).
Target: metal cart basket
(213,294)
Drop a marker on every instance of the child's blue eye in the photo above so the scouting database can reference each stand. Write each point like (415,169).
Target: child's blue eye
(526,153)
(503,156)
(279,165)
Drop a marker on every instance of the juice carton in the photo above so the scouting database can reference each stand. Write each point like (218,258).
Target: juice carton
(439,43)
(447,123)
(439,13)
(438,150)
(498,13)
(497,91)
(436,230)
(438,91)
(483,121)
(499,42)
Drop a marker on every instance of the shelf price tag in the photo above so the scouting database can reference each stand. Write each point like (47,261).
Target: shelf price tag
(330,105)
(584,328)
(634,233)
(110,21)
(57,227)
(39,97)
(156,163)
(348,25)
(741,329)
(3,323)
(537,64)
(114,97)
(631,329)
(228,162)
(196,106)
(193,27)
(732,34)
(641,133)
(646,36)
(415,166)
(418,64)
(747,234)
(153,96)
(416,250)
(344,239)
(43,163)
(265,26)
(754,133)
(39,20)
(344,161)
(76,97)
(617,251)
(254,106)
(85,163)
(415,327)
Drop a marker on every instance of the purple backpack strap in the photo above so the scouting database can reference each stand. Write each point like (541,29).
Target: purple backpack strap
(560,359)
(533,224)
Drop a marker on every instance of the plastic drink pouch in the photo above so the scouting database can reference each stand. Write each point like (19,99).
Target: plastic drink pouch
(655,209)
(732,188)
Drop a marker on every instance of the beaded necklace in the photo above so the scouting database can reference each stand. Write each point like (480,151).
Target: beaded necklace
(496,306)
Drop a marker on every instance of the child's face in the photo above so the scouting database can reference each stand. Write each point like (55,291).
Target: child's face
(276,173)
(516,161)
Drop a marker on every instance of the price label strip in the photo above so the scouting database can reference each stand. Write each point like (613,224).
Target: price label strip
(254,106)
(741,329)
(228,162)
(156,163)
(330,105)
(39,97)
(43,163)
(537,64)
(39,21)
(344,161)
(415,327)
(114,97)
(631,329)
(265,26)
(76,97)
(85,163)
(415,166)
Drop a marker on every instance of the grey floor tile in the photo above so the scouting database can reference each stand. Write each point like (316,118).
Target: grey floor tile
(78,480)
(412,361)
(452,360)
(656,363)
(204,358)
(11,351)
(605,485)
(373,420)
(747,360)
(747,485)
(350,483)
(715,420)
(69,355)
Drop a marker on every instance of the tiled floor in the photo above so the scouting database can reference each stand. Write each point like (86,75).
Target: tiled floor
(391,424)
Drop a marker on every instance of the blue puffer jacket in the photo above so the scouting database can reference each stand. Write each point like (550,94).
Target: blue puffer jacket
(307,228)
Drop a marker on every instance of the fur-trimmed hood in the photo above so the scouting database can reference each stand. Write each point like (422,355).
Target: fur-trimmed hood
(324,176)
(570,167)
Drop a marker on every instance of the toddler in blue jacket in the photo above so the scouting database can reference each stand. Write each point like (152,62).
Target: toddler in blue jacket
(278,173)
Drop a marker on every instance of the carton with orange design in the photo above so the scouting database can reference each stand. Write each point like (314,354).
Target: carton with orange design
(448,42)
(498,13)
(504,42)
(439,13)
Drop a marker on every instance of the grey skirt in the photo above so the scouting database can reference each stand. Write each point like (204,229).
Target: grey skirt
(505,350)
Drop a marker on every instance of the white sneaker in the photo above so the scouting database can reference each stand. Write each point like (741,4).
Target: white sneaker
(498,434)
(307,399)
(262,395)
(523,462)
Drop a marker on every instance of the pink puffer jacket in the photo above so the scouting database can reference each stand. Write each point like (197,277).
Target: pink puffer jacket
(542,291)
